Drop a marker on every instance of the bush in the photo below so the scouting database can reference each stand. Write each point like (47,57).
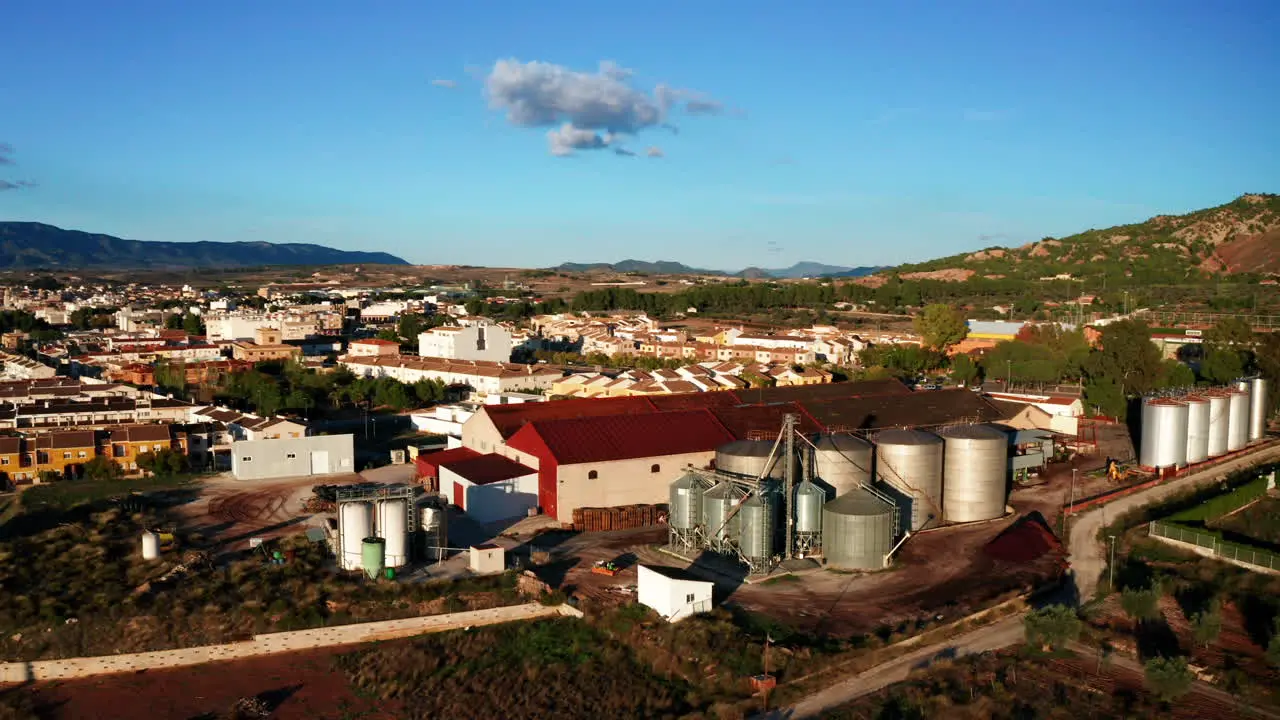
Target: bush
(1142,604)
(1053,626)
(1168,678)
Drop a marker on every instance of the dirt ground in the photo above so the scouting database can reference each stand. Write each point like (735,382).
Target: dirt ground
(297,686)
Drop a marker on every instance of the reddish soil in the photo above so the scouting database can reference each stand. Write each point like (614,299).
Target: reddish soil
(230,511)
(299,686)
(1251,253)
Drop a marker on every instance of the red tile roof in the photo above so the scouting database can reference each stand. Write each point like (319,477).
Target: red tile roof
(743,419)
(429,465)
(486,469)
(510,418)
(622,437)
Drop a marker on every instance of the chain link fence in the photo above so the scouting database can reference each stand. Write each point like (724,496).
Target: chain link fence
(1243,554)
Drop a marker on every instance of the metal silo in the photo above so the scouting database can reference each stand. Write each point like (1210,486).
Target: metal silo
(685,509)
(843,461)
(809,499)
(393,527)
(1164,433)
(373,554)
(911,462)
(1219,421)
(434,524)
(1257,408)
(717,506)
(975,473)
(150,545)
(1237,420)
(1197,428)
(857,531)
(355,523)
(755,529)
(750,459)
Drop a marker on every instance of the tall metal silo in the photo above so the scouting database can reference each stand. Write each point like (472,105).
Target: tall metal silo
(857,531)
(1164,433)
(1237,419)
(756,528)
(717,507)
(1197,428)
(393,527)
(355,523)
(911,462)
(809,499)
(843,461)
(975,473)
(434,526)
(751,459)
(1257,408)
(685,506)
(1219,421)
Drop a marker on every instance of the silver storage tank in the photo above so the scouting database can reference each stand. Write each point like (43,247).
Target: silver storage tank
(750,459)
(975,473)
(843,462)
(685,509)
(808,507)
(1219,421)
(911,461)
(717,504)
(1257,408)
(756,526)
(1197,428)
(1164,433)
(858,531)
(1238,420)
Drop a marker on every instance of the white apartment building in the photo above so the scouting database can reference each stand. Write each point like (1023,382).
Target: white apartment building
(480,340)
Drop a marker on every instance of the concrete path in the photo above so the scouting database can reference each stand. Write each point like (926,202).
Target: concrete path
(334,636)
(1088,553)
(992,637)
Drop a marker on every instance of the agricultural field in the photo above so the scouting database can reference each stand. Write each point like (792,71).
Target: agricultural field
(1009,686)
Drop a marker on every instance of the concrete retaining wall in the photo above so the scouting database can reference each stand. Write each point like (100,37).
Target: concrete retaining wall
(18,672)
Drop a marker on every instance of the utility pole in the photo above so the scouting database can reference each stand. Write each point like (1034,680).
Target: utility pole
(1112,565)
(1008,374)
(1073,490)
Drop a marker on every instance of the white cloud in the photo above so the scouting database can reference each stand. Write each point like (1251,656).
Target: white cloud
(444,83)
(567,138)
(654,152)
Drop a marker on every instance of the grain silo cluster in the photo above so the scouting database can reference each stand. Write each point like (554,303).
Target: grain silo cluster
(1183,428)
(845,499)
(378,526)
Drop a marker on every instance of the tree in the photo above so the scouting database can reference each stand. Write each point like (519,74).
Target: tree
(964,370)
(1206,625)
(1174,374)
(1105,396)
(100,467)
(1273,645)
(1221,365)
(1231,331)
(165,462)
(940,326)
(192,324)
(1052,626)
(173,321)
(1142,604)
(1168,678)
(410,325)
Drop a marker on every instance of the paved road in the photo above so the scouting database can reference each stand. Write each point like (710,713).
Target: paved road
(993,637)
(1088,554)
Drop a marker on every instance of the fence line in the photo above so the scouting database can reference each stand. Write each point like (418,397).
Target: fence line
(1217,547)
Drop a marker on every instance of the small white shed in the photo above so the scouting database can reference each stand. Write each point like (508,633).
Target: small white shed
(487,559)
(673,592)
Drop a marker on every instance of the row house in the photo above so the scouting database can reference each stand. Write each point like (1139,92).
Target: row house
(92,412)
(482,376)
(24,458)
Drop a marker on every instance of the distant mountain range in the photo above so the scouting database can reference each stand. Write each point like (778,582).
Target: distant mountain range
(36,245)
(667,267)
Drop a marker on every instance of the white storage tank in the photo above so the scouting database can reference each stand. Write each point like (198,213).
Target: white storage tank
(150,545)
(434,524)
(393,528)
(1238,420)
(975,473)
(843,462)
(1197,428)
(911,462)
(355,523)
(1258,408)
(1219,421)
(1164,433)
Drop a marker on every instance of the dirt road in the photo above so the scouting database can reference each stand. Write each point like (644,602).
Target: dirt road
(992,637)
(1088,554)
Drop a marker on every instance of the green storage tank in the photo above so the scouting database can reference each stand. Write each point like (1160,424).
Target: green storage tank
(373,556)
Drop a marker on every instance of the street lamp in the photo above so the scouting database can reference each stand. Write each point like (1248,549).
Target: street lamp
(1112,565)
(1008,373)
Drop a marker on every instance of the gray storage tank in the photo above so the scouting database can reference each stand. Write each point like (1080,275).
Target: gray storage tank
(756,527)
(911,462)
(685,509)
(1257,408)
(975,473)
(1164,433)
(750,459)
(1197,428)
(857,531)
(1219,421)
(717,506)
(1237,419)
(808,507)
(843,462)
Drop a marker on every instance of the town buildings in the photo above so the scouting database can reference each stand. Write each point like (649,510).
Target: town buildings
(478,340)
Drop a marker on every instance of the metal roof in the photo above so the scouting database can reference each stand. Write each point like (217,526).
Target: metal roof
(622,437)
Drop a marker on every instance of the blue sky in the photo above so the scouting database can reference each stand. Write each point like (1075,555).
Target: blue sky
(828,131)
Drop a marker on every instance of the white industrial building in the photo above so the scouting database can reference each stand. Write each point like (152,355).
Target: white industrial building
(490,487)
(484,377)
(480,340)
(293,457)
(673,593)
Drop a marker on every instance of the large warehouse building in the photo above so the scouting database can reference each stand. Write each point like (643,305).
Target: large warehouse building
(606,452)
